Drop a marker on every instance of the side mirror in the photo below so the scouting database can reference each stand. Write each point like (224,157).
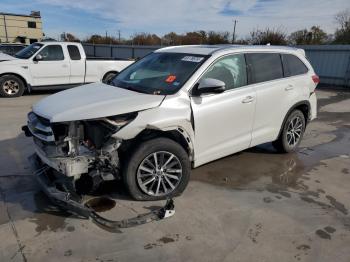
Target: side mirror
(38,57)
(209,85)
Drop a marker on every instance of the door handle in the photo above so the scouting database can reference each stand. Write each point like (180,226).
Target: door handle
(64,65)
(289,87)
(248,99)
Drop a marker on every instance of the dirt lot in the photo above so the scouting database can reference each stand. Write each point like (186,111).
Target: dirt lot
(252,206)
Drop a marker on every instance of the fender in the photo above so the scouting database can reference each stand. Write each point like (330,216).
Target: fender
(303,102)
(20,70)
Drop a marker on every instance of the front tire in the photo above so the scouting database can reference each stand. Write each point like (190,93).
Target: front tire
(292,133)
(157,169)
(11,86)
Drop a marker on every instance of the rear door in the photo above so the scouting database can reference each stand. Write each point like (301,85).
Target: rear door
(53,69)
(77,65)
(223,122)
(275,95)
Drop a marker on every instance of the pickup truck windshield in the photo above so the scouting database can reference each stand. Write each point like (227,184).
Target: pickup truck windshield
(159,73)
(28,51)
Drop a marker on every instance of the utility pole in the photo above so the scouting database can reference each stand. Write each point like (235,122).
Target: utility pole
(7,39)
(234,31)
(119,36)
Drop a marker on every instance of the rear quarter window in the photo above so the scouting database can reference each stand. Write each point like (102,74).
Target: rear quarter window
(293,66)
(264,67)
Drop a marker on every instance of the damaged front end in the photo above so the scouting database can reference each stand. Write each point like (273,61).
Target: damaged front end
(83,153)
(73,158)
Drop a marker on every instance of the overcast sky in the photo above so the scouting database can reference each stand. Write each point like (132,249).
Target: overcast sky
(86,17)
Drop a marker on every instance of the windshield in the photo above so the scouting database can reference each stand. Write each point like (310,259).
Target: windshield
(159,73)
(28,51)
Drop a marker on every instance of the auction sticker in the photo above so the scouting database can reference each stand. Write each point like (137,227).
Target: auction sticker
(194,59)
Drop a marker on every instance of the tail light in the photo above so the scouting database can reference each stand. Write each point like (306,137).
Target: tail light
(316,79)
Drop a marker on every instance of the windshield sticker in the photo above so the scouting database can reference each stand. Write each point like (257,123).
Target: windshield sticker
(194,59)
(170,79)
(176,83)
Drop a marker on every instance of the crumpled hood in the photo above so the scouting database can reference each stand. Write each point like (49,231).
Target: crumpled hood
(93,101)
(6,57)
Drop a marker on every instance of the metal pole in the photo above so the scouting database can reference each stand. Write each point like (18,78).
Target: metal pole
(119,36)
(7,39)
(234,32)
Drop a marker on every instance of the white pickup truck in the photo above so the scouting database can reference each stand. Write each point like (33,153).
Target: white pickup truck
(53,65)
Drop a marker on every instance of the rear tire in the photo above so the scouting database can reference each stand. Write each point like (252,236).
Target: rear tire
(168,178)
(292,133)
(11,86)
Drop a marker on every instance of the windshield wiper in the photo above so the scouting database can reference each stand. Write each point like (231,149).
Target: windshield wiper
(131,88)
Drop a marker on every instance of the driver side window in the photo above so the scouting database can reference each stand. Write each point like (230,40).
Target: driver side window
(52,53)
(229,69)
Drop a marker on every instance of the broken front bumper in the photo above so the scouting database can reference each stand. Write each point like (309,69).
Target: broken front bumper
(62,198)
(70,201)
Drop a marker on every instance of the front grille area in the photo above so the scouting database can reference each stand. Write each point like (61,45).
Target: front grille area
(40,127)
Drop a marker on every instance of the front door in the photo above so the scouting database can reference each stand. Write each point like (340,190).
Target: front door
(53,69)
(223,122)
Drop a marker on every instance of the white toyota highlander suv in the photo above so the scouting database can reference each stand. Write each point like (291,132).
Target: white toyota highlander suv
(173,110)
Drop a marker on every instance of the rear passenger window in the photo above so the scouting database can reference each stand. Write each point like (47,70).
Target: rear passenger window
(264,67)
(74,52)
(293,66)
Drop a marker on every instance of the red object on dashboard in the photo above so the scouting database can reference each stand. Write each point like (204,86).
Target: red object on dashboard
(170,79)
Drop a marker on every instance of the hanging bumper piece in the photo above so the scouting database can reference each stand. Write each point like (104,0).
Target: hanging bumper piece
(62,194)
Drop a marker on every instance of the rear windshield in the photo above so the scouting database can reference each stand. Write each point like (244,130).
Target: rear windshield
(28,51)
(159,73)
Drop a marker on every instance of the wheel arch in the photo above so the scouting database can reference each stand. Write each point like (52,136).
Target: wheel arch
(17,75)
(111,71)
(178,135)
(304,106)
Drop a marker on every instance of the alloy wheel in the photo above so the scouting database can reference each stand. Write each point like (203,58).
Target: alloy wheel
(294,131)
(10,87)
(159,173)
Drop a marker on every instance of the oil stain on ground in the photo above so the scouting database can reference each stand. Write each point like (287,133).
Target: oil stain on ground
(171,238)
(254,232)
(100,204)
(323,234)
(47,216)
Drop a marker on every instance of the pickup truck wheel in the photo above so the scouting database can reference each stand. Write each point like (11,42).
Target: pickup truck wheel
(108,77)
(292,133)
(157,169)
(11,86)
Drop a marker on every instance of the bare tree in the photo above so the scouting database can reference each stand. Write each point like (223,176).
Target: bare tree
(71,38)
(343,18)
(267,36)
(342,34)
(314,36)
